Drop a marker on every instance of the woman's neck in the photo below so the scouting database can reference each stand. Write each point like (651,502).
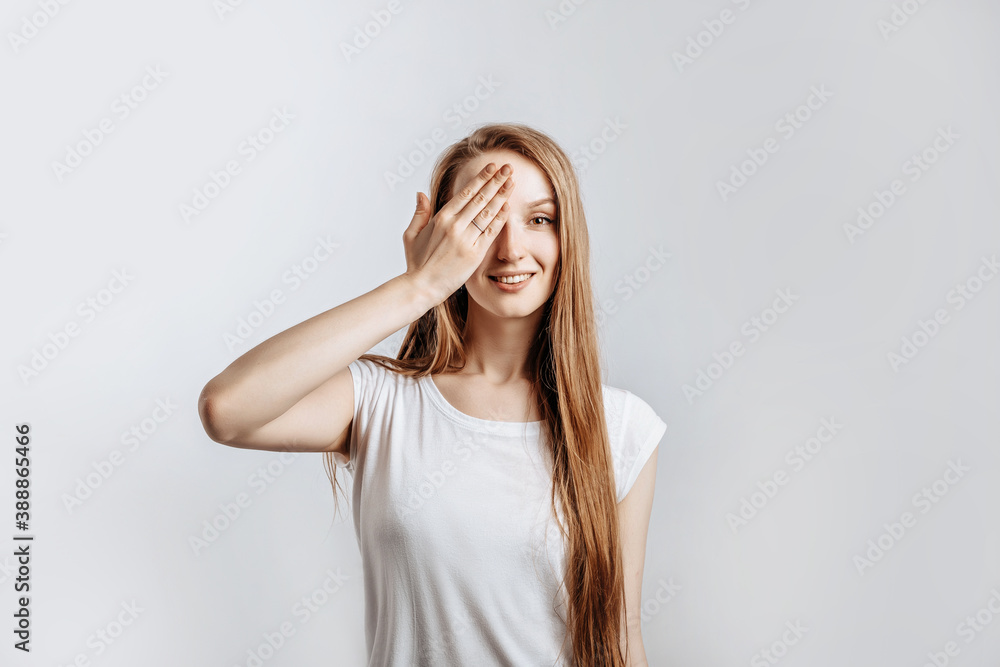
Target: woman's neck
(497,347)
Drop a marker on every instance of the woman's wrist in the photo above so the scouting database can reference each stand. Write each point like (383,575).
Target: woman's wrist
(424,295)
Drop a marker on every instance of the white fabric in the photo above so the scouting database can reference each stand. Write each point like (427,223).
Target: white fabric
(453,514)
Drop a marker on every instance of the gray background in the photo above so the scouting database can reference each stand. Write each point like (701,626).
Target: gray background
(569,70)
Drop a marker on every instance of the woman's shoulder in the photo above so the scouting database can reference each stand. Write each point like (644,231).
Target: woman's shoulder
(634,430)
(379,366)
(621,406)
(376,375)
(618,402)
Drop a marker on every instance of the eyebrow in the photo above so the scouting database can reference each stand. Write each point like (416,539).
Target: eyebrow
(547,200)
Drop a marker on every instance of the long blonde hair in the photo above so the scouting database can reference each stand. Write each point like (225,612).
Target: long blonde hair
(566,375)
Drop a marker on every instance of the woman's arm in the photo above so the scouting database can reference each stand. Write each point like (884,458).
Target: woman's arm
(266,382)
(633,518)
(293,392)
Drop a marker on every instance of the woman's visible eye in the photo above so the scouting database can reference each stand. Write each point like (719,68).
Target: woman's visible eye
(542,217)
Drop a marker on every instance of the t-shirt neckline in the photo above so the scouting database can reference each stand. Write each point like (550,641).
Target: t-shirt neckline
(475,423)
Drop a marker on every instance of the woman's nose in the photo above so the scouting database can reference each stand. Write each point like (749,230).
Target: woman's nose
(510,242)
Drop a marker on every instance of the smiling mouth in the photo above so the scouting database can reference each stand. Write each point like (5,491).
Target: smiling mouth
(512,280)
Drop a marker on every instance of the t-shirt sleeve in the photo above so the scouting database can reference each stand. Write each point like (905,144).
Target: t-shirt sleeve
(639,433)
(369,380)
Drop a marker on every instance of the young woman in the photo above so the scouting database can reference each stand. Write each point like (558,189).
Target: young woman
(502,492)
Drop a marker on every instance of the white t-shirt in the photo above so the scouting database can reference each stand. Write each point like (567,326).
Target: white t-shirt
(462,558)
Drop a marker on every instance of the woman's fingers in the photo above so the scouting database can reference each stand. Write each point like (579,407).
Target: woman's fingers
(468,191)
(496,224)
(414,242)
(492,210)
(481,206)
(421,216)
(440,246)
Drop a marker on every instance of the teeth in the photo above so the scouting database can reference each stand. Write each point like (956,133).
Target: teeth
(510,280)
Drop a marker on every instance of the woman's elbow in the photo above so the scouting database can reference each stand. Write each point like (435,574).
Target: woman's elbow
(211,413)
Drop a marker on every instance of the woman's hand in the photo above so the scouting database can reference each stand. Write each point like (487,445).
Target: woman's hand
(443,251)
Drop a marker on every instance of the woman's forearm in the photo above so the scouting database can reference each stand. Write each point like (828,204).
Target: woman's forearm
(267,380)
